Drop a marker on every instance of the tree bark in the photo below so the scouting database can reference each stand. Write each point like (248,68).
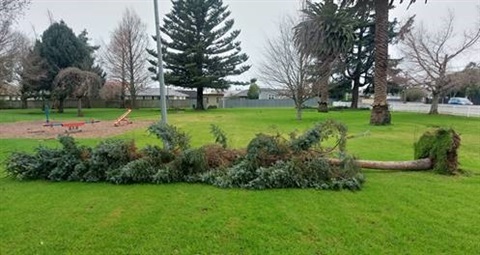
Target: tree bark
(24,103)
(325,75)
(79,107)
(413,165)
(199,105)
(434,105)
(380,114)
(299,112)
(356,86)
(60,105)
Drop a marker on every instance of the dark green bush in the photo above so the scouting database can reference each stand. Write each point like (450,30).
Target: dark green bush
(166,174)
(190,163)
(24,166)
(156,155)
(108,157)
(69,157)
(265,150)
(137,171)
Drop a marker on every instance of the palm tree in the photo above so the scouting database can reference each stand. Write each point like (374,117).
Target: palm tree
(380,114)
(325,33)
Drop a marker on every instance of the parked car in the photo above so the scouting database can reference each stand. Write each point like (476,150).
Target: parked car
(460,100)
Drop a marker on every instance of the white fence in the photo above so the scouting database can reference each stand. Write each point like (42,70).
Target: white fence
(459,110)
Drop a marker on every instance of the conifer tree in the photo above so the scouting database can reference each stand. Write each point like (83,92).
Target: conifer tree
(200,47)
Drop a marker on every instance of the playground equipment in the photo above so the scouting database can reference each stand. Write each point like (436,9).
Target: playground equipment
(123,119)
(72,127)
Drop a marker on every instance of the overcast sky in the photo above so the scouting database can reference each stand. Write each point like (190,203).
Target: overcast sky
(257,19)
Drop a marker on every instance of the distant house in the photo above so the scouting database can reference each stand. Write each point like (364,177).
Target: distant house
(210,98)
(265,93)
(154,94)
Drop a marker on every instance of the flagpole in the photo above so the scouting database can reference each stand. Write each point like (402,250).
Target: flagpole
(161,81)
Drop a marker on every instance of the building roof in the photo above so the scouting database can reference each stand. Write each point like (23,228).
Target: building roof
(156,92)
(191,94)
(244,93)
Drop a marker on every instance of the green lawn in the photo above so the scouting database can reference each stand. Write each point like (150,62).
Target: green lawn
(395,213)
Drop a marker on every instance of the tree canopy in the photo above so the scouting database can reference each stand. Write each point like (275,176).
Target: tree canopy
(200,48)
(59,48)
(325,33)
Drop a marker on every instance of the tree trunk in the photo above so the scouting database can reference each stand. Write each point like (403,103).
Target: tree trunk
(325,75)
(419,164)
(79,107)
(199,105)
(24,103)
(133,96)
(434,105)
(60,105)
(356,86)
(298,107)
(380,114)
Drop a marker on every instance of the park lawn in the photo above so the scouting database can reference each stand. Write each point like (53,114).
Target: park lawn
(395,213)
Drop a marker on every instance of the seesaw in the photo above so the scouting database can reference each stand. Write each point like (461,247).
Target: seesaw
(72,127)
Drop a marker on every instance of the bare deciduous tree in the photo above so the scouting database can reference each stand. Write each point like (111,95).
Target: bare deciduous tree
(111,90)
(126,57)
(430,56)
(11,42)
(286,68)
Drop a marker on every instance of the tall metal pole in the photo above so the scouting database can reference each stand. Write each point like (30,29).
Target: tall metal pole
(161,81)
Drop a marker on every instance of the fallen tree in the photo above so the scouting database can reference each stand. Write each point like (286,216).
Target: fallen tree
(269,161)
(413,165)
(435,150)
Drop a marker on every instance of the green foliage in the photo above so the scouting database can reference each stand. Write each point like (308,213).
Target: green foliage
(137,171)
(219,135)
(441,147)
(263,150)
(157,155)
(253,91)
(48,163)
(414,95)
(59,48)
(200,61)
(171,136)
(326,31)
(108,157)
(24,166)
(319,133)
(190,163)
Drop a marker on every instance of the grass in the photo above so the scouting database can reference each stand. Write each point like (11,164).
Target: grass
(395,213)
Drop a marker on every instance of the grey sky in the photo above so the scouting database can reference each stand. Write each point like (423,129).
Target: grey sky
(257,19)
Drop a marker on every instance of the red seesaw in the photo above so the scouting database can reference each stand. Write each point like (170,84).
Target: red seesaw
(71,126)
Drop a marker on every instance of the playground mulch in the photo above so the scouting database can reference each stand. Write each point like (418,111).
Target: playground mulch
(37,129)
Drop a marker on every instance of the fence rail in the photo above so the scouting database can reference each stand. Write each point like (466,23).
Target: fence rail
(459,110)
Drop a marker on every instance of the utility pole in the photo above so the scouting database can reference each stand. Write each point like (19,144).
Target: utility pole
(161,81)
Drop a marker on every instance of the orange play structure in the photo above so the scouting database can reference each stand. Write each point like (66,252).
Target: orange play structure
(123,119)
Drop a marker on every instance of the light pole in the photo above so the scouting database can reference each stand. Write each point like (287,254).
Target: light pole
(161,81)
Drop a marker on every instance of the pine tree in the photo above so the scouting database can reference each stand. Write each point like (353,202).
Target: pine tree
(200,50)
